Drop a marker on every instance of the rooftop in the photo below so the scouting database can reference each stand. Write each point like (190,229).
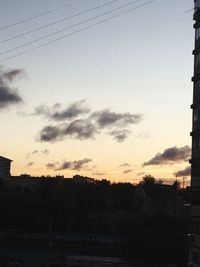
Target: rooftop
(4,159)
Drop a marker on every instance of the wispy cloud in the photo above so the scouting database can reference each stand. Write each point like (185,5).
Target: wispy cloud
(38,153)
(106,118)
(140,173)
(125,165)
(127,171)
(120,135)
(78,129)
(96,173)
(76,165)
(58,113)
(52,165)
(170,155)
(143,135)
(8,94)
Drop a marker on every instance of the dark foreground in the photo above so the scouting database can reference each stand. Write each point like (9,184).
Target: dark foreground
(50,258)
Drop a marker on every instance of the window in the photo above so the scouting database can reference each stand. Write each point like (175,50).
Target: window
(196,5)
(197,59)
(195,257)
(195,115)
(197,87)
(195,227)
(196,141)
(197,34)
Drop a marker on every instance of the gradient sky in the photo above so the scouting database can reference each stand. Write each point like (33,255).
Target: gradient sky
(138,63)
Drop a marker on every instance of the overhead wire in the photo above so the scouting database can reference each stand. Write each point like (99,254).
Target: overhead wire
(59,21)
(69,27)
(78,31)
(38,15)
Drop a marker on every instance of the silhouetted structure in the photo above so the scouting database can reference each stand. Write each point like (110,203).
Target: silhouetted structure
(4,167)
(194,253)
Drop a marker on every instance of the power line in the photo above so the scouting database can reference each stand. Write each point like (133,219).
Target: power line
(59,21)
(78,31)
(69,27)
(38,15)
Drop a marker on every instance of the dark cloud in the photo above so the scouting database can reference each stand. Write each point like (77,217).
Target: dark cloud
(125,165)
(184,172)
(50,134)
(30,164)
(51,165)
(56,112)
(106,118)
(84,128)
(76,165)
(170,155)
(127,171)
(13,74)
(78,129)
(120,135)
(9,95)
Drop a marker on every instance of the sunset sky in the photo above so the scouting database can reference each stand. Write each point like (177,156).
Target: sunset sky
(110,101)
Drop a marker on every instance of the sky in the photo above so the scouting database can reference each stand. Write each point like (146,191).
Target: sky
(110,100)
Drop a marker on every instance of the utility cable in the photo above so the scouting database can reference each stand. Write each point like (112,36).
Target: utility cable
(78,31)
(38,15)
(69,27)
(59,21)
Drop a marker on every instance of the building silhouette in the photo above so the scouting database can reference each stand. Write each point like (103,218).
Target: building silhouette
(194,252)
(5,165)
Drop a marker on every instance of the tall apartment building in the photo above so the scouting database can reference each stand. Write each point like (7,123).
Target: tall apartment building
(194,251)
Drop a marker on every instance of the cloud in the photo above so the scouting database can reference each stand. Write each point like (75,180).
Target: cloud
(141,173)
(106,118)
(125,165)
(170,155)
(9,95)
(184,172)
(99,173)
(51,165)
(30,164)
(45,151)
(76,165)
(38,152)
(120,135)
(50,134)
(57,113)
(78,129)
(127,171)
(143,135)
(84,128)
(12,74)
(81,129)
